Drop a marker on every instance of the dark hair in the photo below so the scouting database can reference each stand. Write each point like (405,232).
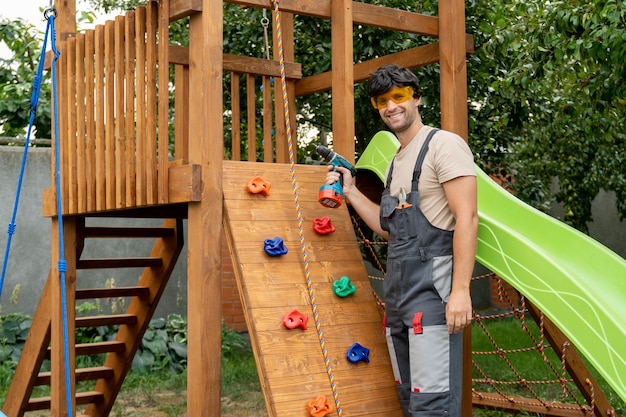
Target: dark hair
(392,75)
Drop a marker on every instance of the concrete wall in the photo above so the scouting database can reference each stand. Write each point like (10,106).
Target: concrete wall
(29,260)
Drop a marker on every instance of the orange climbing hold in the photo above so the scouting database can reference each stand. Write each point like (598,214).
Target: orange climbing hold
(258,185)
(319,407)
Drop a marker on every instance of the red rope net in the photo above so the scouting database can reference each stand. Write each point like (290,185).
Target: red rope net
(514,366)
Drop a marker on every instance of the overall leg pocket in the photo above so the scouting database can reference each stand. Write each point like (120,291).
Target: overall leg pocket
(430,372)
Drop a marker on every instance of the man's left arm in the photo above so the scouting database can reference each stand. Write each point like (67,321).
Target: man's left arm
(461,195)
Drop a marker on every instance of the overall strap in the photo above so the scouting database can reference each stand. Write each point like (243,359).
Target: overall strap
(418,164)
(417,171)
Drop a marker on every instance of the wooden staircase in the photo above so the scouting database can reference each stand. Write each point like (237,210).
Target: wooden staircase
(108,377)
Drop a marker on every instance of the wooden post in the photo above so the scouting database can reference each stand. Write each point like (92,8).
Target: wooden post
(58,402)
(453,67)
(282,152)
(342,78)
(453,85)
(205,217)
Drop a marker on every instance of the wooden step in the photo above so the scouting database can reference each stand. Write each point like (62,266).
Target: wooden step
(83,349)
(110,320)
(112,346)
(82,398)
(136,291)
(110,263)
(82,374)
(132,232)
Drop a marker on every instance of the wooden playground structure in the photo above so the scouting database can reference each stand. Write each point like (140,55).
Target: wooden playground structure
(119,160)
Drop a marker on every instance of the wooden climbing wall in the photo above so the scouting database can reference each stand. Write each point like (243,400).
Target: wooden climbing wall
(291,363)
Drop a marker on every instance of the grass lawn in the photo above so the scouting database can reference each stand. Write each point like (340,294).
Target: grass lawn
(163,394)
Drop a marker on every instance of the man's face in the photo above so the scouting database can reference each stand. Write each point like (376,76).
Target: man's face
(397,108)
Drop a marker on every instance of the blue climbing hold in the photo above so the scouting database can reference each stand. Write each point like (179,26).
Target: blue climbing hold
(358,353)
(275,247)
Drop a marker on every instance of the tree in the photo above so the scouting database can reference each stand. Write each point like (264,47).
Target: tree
(16,81)
(546,88)
(548,80)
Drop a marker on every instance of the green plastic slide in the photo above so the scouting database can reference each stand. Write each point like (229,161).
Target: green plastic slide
(576,281)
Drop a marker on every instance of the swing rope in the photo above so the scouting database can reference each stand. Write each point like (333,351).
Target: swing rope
(49,14)
(305,256)
(62,263)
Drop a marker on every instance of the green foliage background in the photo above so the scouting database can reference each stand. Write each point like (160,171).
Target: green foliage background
(546,89)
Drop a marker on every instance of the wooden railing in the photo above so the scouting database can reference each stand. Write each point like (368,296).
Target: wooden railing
(120,146)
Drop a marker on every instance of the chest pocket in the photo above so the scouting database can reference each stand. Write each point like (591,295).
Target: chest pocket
(401,223)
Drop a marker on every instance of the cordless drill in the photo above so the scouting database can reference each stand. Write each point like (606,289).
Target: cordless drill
(332,195)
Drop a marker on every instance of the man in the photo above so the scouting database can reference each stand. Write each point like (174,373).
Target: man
(428,214)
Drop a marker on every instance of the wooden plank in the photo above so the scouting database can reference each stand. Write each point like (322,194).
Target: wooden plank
(90,144)
(453,68)
(100,121)
(130,134)
(140,47)
(185,183)
(204,259)
(251,109)
(411,58)
(111,320)
(288,49)
(150,146)
(58,314)
(120,114)
(181,113)
(342,77)
(235,108)
(81,111)
(163,101)
(70,193)
(33,354)
(291,363)
(513,404)
(109,133)
(268,148)
(242,64)
(364,14)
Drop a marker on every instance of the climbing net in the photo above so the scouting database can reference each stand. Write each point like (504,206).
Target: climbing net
(515,367)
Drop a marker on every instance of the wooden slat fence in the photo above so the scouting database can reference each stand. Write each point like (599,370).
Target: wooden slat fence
(114,152)
(109,124)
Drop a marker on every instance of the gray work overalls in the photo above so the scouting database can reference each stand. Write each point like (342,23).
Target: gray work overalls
(426,360)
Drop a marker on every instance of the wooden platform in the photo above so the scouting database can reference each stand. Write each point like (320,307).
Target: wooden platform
(291,363)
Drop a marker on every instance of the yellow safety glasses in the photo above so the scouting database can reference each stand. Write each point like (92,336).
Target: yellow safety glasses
(397,95)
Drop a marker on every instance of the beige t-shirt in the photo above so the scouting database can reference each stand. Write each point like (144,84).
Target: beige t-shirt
(448,157)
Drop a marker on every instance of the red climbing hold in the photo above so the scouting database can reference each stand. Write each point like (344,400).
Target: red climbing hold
(295,319)
(323,225)
(258,185)
(319,407)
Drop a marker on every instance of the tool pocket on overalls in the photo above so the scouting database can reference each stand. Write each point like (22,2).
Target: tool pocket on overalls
(398,218)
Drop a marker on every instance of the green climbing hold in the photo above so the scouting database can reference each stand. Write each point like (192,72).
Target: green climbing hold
(343,287)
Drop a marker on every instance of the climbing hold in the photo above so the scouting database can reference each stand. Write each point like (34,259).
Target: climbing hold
(258,185)
(295,319)
(358,353)
(323,225)
(319,407)
(275,247)
(343,287)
